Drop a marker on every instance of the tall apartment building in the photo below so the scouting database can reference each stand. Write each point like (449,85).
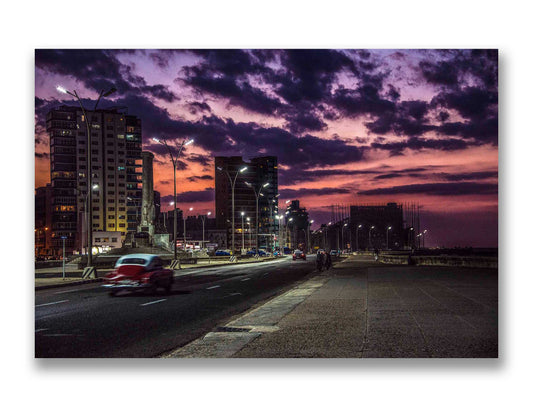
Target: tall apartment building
(260,170)
(297,228)
(116,145)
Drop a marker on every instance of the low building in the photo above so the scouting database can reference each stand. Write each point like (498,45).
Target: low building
(105,241)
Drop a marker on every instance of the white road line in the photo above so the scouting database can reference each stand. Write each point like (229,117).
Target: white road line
(232,294)
(153,302)
(50,303)
(72,291)
(210,288)
(244,279)
(41,330)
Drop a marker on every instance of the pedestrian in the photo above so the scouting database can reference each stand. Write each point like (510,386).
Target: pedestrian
(319,260)
(328,260)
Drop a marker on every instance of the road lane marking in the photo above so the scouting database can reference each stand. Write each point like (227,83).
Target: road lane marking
(244,279)
(41,330)
(51,303)
(153,302)
(210,288)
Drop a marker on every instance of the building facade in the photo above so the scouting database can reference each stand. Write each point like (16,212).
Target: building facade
(43,221)
(116,165)
(260,171)
(375,221)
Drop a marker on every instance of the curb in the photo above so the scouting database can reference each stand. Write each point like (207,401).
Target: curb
(93,280)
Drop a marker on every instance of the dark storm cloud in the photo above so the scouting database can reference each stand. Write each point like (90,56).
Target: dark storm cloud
(293,176)
(99,70)
(471,102)
(201,177)
(365,99)
(468,176)
(309,74)
(207,195)
(294,193)
(224,136)
(416,143)
(456,66)
(441,189)
(199,107)
(224,73)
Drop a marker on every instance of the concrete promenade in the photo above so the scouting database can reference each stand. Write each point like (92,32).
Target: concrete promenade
(364,309)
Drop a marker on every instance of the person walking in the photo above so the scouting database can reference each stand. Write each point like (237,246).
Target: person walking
(320,260)
(328,260)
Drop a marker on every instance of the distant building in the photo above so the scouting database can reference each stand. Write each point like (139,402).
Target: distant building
(116,144)
(105,241)
(297,228)
(260,170)
(380,217)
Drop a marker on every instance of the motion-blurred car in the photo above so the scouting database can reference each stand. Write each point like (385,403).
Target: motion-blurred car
(222,253)
(298,254)
(139,272)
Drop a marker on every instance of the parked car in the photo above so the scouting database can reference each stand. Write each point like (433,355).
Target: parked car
(298,254)
(253,253)
(139,272)
(222,253)
(334,253)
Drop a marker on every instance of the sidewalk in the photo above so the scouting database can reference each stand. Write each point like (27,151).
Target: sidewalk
(364,309)
(322,317)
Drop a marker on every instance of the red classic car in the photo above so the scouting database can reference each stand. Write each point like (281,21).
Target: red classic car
(139,272)
(298,254)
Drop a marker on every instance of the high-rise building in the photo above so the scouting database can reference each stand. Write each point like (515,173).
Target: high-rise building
(116,145)
(260,170)
(296,236)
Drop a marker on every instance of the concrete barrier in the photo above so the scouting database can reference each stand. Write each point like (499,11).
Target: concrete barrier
(453,261)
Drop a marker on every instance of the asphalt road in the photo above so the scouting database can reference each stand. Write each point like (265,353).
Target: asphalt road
(85,322)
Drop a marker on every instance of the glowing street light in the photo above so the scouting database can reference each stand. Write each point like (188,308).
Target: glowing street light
(184,231)
(175,166)
(203,228)
(388,229)
(232,183)
(370,236)
(257,194)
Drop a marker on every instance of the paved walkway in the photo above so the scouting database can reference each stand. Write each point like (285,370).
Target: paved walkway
(362,309)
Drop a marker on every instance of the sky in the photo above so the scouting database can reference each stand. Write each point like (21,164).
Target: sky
(347,126)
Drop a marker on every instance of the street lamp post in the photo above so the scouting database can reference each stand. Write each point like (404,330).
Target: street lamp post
(370,236)
(389,228)
(185,232)
(280,226)
(308,237)
(88,125)
(257,194)
(342,235)
(232,183)
(287,230)
(249,229)
(203,228)
(174,165)
(242,232)
(357,237)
